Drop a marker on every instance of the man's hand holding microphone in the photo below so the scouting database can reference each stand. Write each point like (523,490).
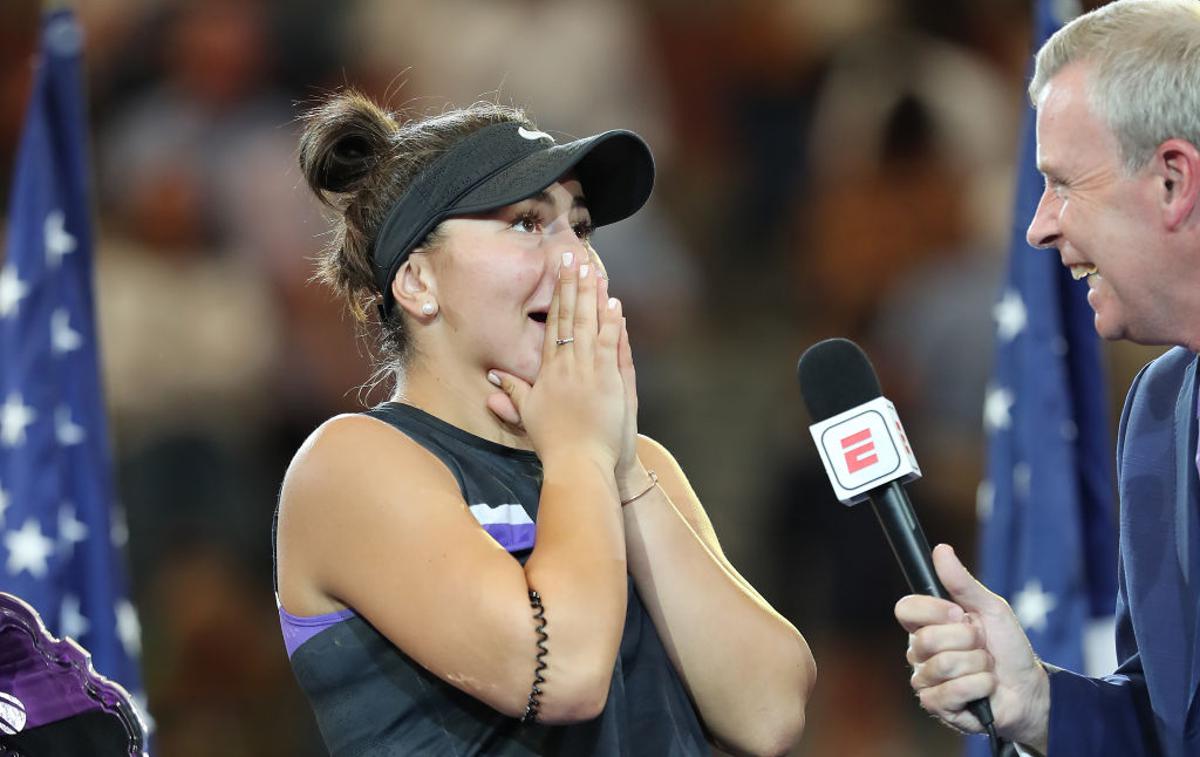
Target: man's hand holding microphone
(972,647)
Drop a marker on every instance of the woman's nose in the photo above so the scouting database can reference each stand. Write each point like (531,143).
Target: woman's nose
(557,244)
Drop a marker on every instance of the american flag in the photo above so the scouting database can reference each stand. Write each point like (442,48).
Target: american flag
(61,535)
(1048,524)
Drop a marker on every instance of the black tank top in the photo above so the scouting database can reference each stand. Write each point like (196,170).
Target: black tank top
(370,699)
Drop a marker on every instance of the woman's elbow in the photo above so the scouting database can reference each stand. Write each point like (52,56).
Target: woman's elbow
(561,704)
(791,723)
(574,710)
(770,736)
(780,728)
(786,734)
(803,673)
(575,700)
(808,675)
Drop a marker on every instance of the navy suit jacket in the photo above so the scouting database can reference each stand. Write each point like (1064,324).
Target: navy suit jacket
(1149,706)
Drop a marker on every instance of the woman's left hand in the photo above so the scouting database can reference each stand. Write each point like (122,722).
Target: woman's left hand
(630,473)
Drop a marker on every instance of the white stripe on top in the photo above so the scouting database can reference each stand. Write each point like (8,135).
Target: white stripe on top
(487,515)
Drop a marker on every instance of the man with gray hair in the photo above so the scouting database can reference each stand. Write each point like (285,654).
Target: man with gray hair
(1118,127)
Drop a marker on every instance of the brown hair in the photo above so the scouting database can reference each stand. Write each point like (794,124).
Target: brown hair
(358,159)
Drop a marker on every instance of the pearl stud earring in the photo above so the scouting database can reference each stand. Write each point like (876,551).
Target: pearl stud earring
(428,308)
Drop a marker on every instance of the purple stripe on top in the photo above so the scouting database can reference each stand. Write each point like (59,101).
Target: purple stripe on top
(298,629)
(508,524)
(513,537)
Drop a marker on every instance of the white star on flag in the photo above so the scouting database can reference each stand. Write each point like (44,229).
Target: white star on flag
(118,531)
(71,530)
(65,430)
(15,415)
(985,499)
(12,291)
(996,408)
(1032,606)
(28,549)
(71,621)
(1010,315)
(129,630)
(58,241)
(63,338)
(1022,480)
(1069,430)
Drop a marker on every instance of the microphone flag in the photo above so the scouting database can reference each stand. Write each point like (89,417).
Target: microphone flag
(1046,510)
(61,535)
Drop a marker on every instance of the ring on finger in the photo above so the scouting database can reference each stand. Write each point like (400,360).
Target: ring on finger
(564,340)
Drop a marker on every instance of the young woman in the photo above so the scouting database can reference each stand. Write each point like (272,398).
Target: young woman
(494,561)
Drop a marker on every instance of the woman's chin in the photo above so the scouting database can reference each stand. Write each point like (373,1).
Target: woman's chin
(527,370)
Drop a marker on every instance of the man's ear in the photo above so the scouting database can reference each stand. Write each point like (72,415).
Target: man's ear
(414,286)
(1176,168)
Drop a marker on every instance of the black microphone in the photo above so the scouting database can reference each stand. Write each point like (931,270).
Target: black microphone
(867,456)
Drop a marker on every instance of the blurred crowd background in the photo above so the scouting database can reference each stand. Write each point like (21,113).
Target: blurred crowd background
(825,169)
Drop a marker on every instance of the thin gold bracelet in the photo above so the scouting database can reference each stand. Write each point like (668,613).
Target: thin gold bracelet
(643,492)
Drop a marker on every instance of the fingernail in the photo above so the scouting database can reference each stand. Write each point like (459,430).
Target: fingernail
(583,270)
(568,257)
(612,303)
(492,377)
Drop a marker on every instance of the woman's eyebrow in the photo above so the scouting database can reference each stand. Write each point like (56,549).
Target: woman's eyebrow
(577,201)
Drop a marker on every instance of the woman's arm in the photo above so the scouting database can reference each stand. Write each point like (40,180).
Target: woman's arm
(749,671)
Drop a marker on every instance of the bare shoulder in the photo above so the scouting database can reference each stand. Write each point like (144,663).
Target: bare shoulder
(351,472)
(357,461)
(356,451)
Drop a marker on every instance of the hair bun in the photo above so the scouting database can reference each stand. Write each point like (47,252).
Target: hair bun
(343,140)
(347,162)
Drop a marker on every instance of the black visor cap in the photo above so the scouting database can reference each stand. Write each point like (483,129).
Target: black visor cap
(506,163)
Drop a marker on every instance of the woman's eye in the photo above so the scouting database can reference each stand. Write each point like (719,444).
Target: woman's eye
(528,223)
(584,229)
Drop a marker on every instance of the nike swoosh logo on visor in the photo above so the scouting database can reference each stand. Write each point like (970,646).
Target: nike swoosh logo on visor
(533,135)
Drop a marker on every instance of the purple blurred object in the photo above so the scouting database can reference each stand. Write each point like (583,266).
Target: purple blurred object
(52,702)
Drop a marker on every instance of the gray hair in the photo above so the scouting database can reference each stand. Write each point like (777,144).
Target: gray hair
(1144,61)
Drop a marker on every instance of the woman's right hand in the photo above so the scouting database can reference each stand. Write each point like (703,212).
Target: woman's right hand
(577,403)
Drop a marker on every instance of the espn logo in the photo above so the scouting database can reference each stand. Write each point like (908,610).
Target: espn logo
(863,448)
(860,450)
